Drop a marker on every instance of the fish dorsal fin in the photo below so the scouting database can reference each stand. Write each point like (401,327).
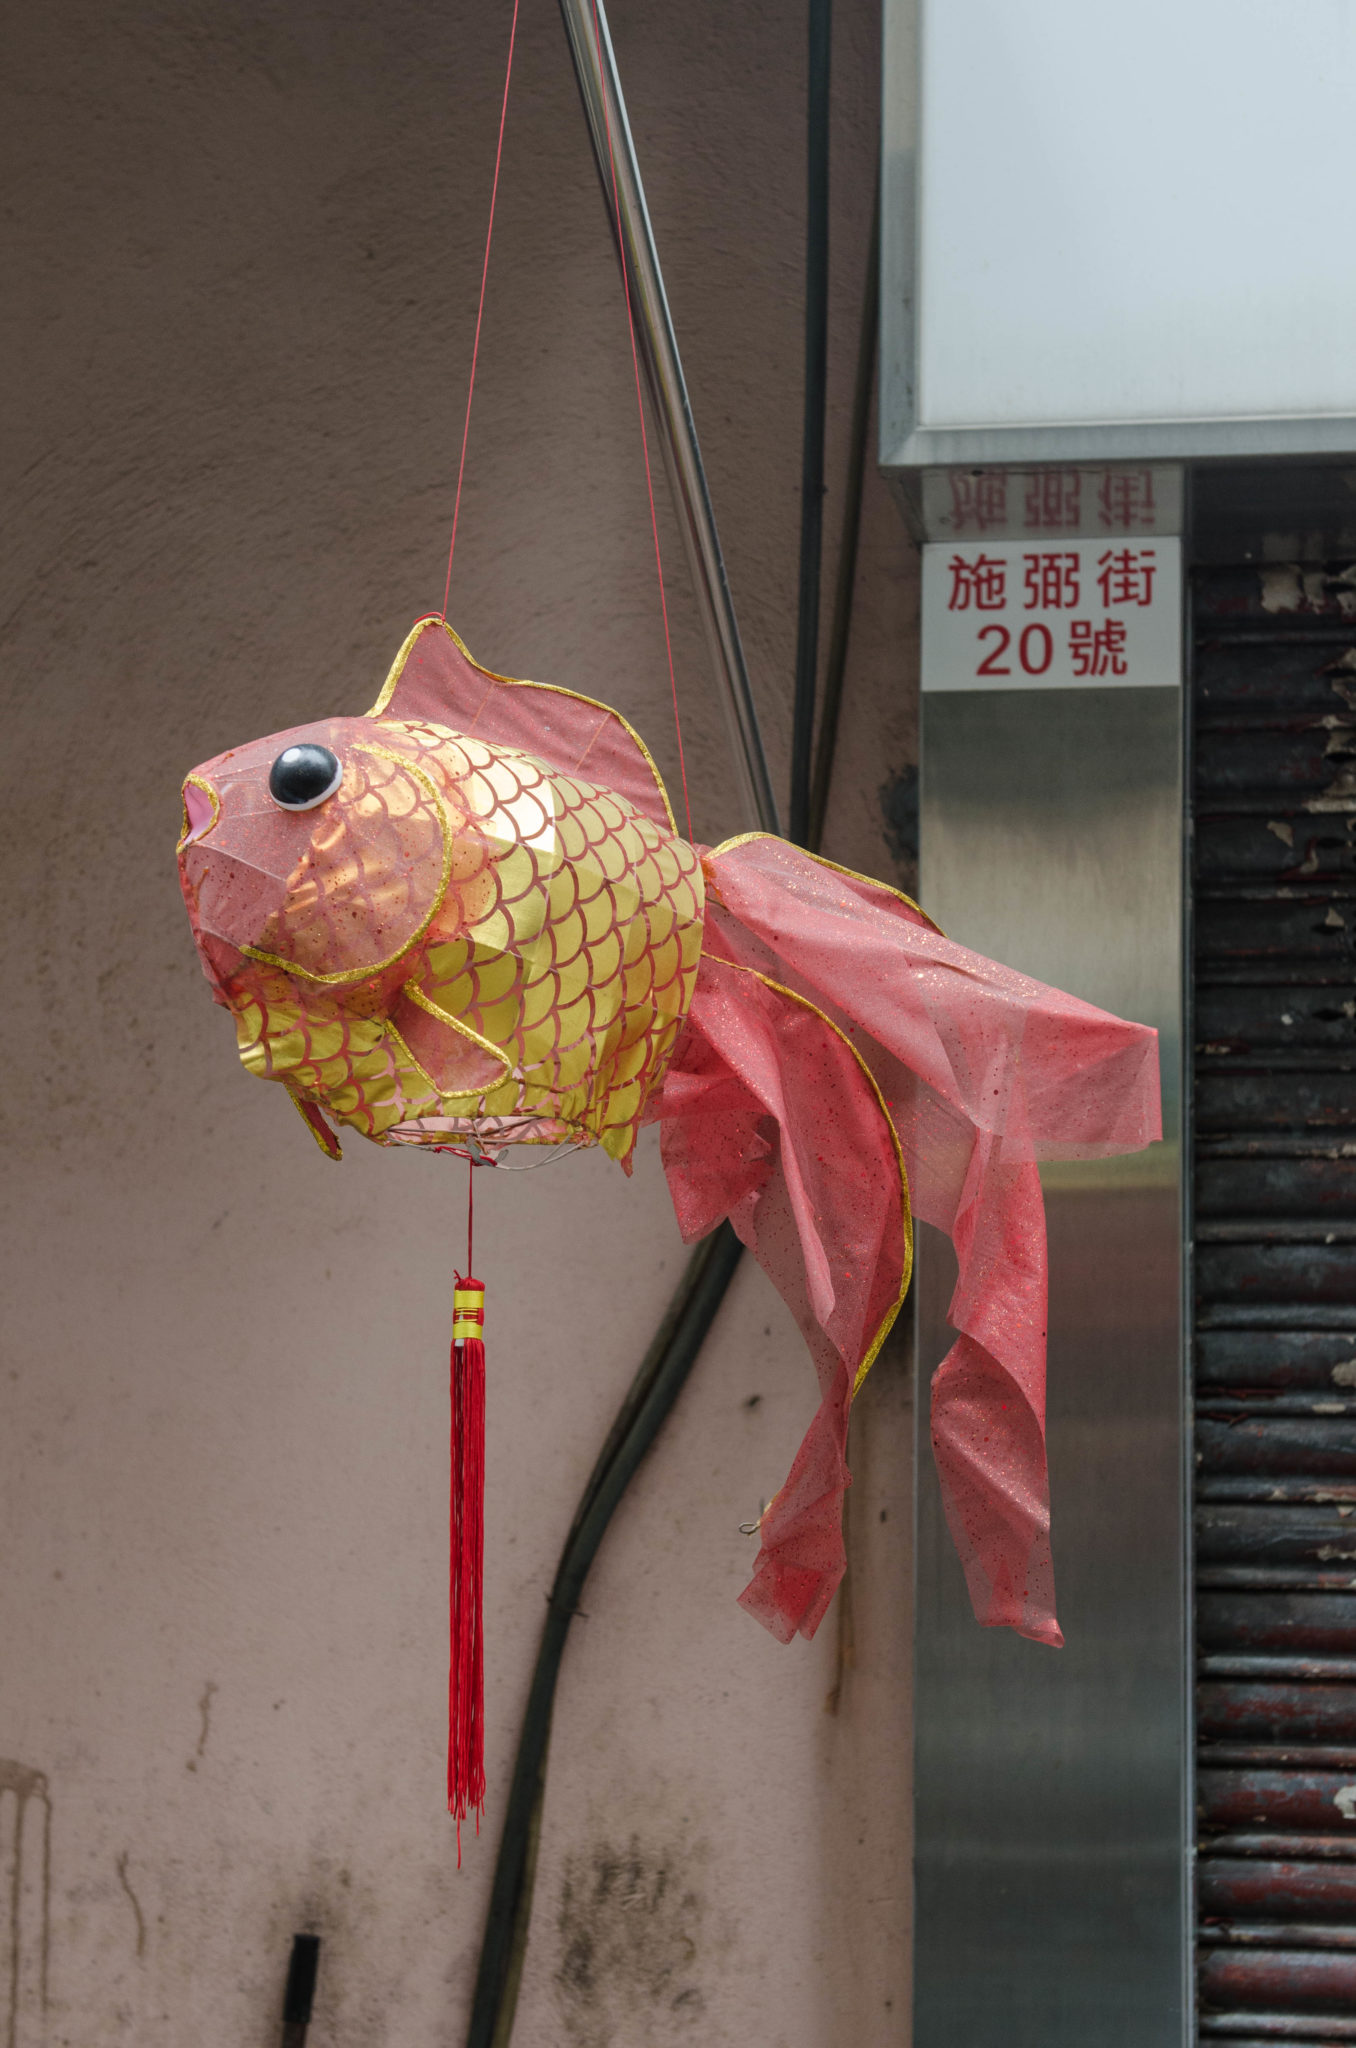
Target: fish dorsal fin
(433,677)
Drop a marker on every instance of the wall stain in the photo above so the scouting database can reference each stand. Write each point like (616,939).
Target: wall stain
(629,1922)
(898,796)
(135,1902)
(205,1710)
(26,1784)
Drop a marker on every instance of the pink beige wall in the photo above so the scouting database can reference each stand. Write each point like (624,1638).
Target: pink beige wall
(241,248)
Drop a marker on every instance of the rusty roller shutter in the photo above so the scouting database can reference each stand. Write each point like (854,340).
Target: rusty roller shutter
(1274,1122)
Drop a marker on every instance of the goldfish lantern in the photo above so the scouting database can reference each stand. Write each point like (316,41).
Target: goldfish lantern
(467,921)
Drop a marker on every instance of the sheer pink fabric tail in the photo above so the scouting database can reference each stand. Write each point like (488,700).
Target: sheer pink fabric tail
(769,1117)
(984,1072)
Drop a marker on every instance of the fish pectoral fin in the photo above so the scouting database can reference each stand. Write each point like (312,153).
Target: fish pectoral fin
(453,1057)
(317,1126)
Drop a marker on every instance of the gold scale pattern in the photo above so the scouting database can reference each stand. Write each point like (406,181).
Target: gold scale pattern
(544,941)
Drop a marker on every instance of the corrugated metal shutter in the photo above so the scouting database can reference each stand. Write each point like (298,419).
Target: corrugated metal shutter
(1274,775)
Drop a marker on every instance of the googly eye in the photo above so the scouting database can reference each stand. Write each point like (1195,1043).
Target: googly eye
(303,776)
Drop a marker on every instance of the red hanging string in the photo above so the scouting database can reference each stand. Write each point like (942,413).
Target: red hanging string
(640,405)
(466,1691)
(466,1671)
(480,312)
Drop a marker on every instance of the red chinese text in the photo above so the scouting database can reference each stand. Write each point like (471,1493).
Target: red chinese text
(979,501)
(1052,500)
(980,585)
(1125,501)
(1051,581)
(1097,650)
(1126,576)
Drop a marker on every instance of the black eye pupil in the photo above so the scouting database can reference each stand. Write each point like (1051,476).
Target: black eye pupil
(303,775)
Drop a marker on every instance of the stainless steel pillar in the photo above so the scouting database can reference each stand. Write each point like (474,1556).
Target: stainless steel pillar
(1051,1786)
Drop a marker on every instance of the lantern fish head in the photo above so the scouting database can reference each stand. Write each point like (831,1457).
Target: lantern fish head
(329,851)
(434,937)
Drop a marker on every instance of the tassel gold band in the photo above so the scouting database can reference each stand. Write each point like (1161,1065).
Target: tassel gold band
(468,1313)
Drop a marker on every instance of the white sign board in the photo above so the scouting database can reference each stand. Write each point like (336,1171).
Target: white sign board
(1079,614)
(1083,253)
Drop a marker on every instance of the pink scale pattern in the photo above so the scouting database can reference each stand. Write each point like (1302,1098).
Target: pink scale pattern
(461,946)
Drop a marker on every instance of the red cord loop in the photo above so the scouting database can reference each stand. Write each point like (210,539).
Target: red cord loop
(480,313)
(635,366)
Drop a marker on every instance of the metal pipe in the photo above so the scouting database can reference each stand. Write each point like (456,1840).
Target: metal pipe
(299,1997)
(605,109)
(835,661)
(816,394)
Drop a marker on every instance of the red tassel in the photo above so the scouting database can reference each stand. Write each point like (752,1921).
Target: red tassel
(466,1677)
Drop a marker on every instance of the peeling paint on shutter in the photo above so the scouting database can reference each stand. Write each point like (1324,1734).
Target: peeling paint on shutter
(1274,784)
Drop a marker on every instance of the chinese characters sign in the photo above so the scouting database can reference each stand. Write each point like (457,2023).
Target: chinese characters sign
(1014,615)
(1012,504)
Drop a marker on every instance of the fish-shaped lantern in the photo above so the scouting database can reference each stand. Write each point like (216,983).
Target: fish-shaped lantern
(467,921)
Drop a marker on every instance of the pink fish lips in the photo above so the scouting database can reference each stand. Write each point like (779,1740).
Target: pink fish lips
(466,920)
(201,809)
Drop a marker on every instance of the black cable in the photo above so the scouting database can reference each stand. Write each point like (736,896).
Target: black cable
(299,1996)
(816,390)
(673,1353)
(654,1390)
(835,664)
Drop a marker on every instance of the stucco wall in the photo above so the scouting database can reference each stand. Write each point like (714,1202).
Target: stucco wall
(241,250)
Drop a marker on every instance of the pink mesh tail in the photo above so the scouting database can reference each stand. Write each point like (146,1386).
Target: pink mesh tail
(984,1072)
(769,1117)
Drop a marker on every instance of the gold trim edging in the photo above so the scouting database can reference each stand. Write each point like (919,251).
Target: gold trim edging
(747,838)
(353,974)
(397,668)
(423,1002)
(212,798)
